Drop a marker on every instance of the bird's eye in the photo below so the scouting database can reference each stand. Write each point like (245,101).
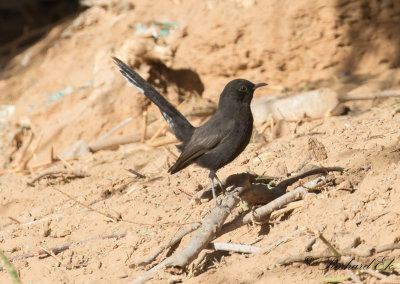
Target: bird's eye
(243,88)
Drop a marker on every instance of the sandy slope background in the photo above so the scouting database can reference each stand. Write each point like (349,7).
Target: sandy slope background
(66,88)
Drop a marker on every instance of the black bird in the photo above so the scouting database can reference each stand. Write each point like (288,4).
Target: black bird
(218,141)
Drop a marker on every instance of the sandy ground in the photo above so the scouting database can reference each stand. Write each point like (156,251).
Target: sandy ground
(66,88)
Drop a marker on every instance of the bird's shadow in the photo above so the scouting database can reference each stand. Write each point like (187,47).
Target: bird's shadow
(261,192)
(186,80)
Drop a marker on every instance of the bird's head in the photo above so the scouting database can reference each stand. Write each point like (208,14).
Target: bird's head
(239,90)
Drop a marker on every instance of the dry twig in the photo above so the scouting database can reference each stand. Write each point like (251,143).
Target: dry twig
(15,220)
(24,148)
(290,207)
(50,253)
(32,153)
(346,256)
(118,218)
(162,141)
(63,247)
(208,230)
(261,213)
(353,276)
(68,165)
(114,219)
(116,128)
(304,257)
(310,243)
(144,127)
(112,142)
(158,132)
(213,222)
(69,173)
(329,245)
(139,175)
(190,228)
(280,241)
(234,247)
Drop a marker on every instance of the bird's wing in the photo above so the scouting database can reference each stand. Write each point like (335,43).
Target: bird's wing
(200,144)
(181,127)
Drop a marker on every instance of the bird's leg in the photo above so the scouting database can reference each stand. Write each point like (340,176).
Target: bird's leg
(211,177)
(220,184)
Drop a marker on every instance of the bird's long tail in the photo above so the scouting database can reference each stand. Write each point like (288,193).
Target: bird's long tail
(181,127)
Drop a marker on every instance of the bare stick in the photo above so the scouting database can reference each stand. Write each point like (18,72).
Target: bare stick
(190,228)
(280,241)
(25,146)
(264,211)
(163,141)
(256,240)
(158,132)
(71,174)
(316,171)
(170,152)
(50,253)
(186,193)
(312,256)
(353,276)
(115,219)
(150,273)
(3,233)
(370,96)
(15,220)
(68,165)
(288,208)
(387,247)
(264,127)
(310,243)
(144,127)
(32,153)
(116,128)
(329,245)
(113,142)
(64,247)
(52,154)
(234,247)
(31,171)
(139,175)
(303,257)
(210,226)
(197,262)
(55,216)
(44,164)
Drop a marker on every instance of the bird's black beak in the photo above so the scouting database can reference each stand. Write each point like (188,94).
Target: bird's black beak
(259,85)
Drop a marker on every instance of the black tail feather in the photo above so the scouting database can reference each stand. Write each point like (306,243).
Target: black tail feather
(181,127)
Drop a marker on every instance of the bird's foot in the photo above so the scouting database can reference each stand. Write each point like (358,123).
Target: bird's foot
(221,185)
